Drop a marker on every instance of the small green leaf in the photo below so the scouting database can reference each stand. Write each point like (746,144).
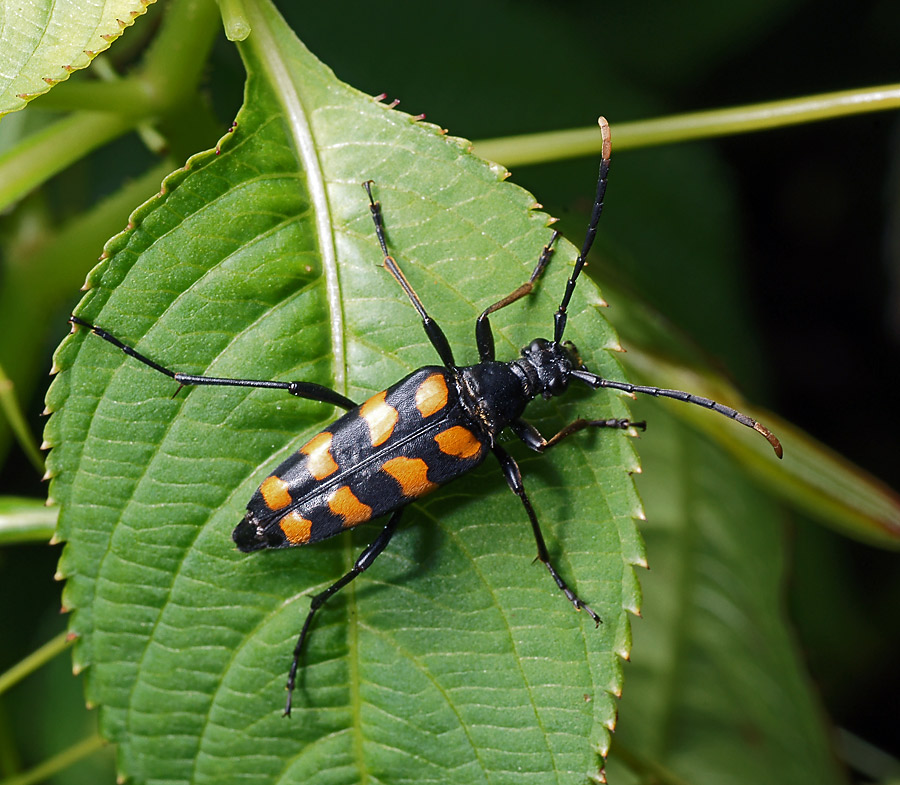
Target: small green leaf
(454,658)
(42,42)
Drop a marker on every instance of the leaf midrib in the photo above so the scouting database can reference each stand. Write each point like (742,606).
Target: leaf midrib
(264,43)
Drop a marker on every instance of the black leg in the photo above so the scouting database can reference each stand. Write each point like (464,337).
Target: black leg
(432,328)
(308,390)
(514,478)
(362,564)
(484,336)
(534,440)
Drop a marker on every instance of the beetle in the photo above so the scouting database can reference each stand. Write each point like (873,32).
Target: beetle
(436,424)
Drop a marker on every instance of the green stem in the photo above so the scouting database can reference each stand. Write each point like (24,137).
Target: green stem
(127,96)
(58,762)
(237,25)
(174,63)
(559,145)
(10,407)
(33,661)
(24,520)
(44,154)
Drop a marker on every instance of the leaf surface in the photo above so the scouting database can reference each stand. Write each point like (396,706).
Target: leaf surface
(42,42)
(453,659)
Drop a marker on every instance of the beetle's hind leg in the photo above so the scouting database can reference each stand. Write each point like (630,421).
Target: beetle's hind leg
(309,390)
(514,478)
(362,564)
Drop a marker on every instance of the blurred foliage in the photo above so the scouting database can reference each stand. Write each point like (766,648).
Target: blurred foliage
(766,254)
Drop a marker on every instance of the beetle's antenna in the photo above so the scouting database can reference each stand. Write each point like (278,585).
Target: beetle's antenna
(679,395)
(559,318)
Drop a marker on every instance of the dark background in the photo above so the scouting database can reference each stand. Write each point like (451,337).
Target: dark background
(802,220)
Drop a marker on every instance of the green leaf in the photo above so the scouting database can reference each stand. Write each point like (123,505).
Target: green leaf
(716,690)
(42,42)
(454,658)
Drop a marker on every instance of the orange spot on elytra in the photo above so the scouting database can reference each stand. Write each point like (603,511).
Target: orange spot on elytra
(319,462)
(275,494)
(380,418)
(412,474)
(458,441)
(351,509)
(296,528)
(431,396)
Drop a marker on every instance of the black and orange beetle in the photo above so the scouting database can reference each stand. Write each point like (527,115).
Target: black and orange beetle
(424,431)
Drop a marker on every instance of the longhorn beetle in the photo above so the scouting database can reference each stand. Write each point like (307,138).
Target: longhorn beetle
(438,423)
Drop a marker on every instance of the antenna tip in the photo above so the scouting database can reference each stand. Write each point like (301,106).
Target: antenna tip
(607,137)
(770,438)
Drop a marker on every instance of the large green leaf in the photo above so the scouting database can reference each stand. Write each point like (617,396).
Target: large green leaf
(42,42)
(454,658)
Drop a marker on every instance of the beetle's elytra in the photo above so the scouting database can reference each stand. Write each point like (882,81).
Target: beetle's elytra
(424,431)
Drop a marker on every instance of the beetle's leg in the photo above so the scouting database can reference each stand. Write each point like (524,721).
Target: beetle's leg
(432,328)
(484,336)
(362,564)
(534,440)
(309,390)
(514,478)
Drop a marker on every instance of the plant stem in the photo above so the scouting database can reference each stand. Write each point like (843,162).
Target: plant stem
(41,155)
(33,661)
(59,762)
(25,520)
(237,26)
(559,145)
(9,405)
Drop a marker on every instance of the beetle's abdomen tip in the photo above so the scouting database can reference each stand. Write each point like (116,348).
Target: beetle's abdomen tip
(246,535)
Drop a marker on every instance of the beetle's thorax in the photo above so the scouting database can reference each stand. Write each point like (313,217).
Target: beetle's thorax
(545,367)
(493,395)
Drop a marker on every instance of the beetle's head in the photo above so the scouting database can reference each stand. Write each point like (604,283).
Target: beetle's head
(552,363)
